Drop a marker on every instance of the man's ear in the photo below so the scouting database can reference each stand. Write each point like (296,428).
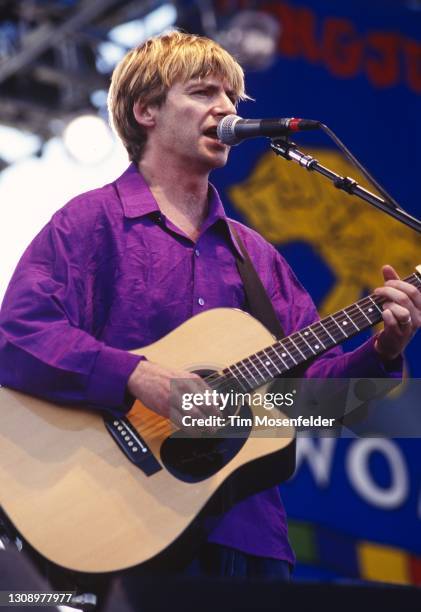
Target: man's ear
(144,114)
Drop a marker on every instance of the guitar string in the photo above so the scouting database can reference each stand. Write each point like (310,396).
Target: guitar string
(361,322)
(252,360)
(297,336)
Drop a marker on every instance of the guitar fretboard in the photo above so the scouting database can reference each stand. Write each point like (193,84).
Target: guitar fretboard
(302,346)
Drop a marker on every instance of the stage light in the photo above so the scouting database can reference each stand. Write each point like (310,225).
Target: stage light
(252,37)
(16,144)
(88,139)
(135,32)
(132,33)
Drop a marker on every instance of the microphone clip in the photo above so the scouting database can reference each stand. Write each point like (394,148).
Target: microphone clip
(288,150)
(346,183)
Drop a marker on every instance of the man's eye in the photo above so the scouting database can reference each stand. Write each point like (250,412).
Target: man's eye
(232,98)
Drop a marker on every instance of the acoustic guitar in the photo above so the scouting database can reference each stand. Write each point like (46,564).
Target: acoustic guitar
(97,494)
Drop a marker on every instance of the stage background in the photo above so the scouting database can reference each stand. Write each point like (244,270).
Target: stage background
(354,505)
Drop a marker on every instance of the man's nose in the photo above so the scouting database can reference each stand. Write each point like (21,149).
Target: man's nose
(225,106)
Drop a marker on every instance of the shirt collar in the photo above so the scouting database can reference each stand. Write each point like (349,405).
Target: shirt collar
(136,197)
(137,201)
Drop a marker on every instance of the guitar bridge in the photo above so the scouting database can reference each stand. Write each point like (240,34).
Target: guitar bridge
(132,445)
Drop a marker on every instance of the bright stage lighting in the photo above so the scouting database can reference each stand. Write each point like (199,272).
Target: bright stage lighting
(88,139)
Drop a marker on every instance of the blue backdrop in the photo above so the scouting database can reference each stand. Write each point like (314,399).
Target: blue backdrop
(355,66)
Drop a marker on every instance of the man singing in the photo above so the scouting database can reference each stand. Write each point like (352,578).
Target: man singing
(119,267)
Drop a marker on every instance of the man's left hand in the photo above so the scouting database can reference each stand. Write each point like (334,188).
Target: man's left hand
(401,314)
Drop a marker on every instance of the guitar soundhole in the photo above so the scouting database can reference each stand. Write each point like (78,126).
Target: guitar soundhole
(195,459)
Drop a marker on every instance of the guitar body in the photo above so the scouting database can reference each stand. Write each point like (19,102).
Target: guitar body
(75,497)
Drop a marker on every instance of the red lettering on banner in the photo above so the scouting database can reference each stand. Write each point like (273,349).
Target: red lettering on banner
(337,44)
(412,54)
(288,44)
(342,49)
(382,64)
(298,31)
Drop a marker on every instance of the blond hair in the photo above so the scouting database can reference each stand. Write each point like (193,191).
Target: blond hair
(147,72)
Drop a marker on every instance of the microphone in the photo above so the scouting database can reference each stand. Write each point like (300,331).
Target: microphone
(232,129)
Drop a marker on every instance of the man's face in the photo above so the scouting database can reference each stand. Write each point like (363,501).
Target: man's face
(185,125)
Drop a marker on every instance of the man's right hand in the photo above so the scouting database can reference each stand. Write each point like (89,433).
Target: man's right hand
(161,390)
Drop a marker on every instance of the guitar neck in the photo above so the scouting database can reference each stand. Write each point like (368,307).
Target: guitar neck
(302,346)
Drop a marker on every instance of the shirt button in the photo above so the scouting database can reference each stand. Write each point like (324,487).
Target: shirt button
(201,301)
(197,252)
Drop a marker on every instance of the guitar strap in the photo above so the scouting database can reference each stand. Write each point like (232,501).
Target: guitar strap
(258,301)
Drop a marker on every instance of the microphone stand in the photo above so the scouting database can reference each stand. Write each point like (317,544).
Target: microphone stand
(289,151)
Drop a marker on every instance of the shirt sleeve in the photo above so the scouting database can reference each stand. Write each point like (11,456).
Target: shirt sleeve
(47,342)
(296,310)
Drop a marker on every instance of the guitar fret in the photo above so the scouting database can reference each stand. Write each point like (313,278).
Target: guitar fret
(316,335)
(352,321)
(277,356)
(305,344)
(417,281)
(277,369)
(263,364)
(297,347)
(257,368)
(327,331)
(294,349)
(243,363)
(341,318)
(283,356)
(284,348)
(339,326)
(375,305)
(302,334)
(230,369)
(368,311)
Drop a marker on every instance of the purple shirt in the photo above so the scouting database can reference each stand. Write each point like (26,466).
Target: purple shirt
(110,273)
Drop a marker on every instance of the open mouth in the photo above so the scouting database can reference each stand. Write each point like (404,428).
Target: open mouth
(211,133)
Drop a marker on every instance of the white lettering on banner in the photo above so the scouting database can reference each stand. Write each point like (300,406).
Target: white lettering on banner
(319,455)
(358,470)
